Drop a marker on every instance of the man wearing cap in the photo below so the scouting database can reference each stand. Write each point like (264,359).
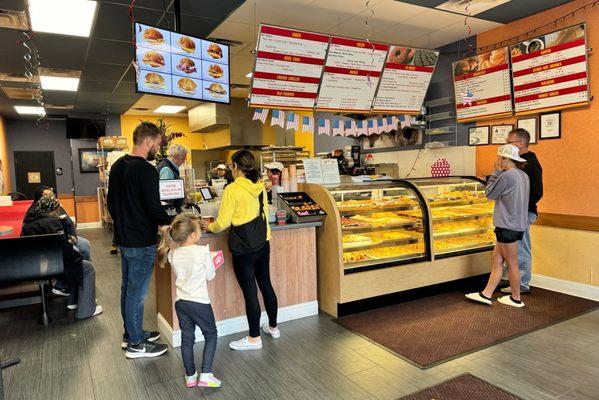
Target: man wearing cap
(521,139)
(168,168)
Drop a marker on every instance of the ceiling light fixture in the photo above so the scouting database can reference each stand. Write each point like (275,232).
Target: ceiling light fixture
(59,83)
(30,110)
(64,17)
(249,75)
(169,109)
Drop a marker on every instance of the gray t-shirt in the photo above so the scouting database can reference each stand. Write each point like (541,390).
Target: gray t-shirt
(510,190)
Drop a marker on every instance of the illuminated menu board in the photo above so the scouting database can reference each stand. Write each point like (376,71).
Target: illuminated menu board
(174,64)
(551,72)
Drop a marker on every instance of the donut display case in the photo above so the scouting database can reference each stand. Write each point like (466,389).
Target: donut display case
(386,237)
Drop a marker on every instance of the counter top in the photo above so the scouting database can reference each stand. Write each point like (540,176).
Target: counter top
(273,227)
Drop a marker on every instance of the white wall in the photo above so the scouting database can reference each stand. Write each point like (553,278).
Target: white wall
(461,158)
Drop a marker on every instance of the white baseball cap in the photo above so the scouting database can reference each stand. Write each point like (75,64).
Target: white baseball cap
(274,165)
(510,151)
(221,166)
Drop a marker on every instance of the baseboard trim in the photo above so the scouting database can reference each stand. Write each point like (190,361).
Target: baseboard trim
(89,225)
(577,289)
(238,324)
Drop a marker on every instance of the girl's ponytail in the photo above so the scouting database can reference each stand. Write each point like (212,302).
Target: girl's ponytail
(165,245)
(253,175)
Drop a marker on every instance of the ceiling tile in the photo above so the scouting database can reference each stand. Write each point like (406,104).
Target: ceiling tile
(57,51)
(218,10)
(59,97)
(105,51)
(107,72)
(113,21)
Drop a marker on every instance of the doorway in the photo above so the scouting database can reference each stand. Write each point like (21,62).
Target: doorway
(33,169)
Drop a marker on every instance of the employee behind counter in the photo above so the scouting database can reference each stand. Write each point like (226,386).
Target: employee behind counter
(168,168)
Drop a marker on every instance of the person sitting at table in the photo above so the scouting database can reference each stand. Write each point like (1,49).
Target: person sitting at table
(79,273)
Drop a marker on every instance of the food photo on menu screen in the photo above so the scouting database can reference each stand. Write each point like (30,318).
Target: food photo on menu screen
(177,64)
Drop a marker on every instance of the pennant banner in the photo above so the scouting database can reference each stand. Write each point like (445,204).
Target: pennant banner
(337,127)
(260,114)
(307,124)
(324,126)
(277,118)
(292,120)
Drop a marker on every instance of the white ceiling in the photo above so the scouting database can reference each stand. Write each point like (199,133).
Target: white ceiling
(390,21)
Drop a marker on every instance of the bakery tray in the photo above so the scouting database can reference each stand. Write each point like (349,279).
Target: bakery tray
(458,233)
(372,210)
(356,229)
(384,243)
(291,199)
(456,202)
(375,261)
(480,245)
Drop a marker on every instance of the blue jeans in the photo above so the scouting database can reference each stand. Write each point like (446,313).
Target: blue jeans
(190,314)
(137,265)
(524,255)
(83,246)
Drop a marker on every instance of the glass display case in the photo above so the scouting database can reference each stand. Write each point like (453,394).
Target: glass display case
(462,218)
(382,224)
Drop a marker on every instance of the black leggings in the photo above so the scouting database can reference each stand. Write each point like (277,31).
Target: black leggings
(249,269)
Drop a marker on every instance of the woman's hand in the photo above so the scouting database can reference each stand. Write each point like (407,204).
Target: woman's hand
(204,225)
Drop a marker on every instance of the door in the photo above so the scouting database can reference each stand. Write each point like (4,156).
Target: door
(34,169)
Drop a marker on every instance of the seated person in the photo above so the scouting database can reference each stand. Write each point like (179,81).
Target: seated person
(81,243)
(79,273)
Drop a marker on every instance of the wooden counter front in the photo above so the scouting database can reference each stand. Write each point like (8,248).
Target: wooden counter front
(293,275)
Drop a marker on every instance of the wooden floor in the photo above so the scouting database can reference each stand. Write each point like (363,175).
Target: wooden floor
(314,359)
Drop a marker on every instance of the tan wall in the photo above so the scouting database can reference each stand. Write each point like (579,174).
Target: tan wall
(566,254)
(4,159)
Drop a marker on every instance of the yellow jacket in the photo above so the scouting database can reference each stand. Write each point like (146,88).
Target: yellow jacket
(240,205)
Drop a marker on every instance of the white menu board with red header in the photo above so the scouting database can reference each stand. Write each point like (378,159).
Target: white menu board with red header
(550,72)
(351,75)
(289,65)
(405,80)
(482,86)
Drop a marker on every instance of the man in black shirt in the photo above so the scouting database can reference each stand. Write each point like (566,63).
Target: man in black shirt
(521,139)
(134,205)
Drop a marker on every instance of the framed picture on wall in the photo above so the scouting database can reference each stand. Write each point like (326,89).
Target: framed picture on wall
(530,124)
(478,135)
(499,133)
(551,125)
(89,160)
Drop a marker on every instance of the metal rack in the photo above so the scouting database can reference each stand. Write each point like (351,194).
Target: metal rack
(287,155)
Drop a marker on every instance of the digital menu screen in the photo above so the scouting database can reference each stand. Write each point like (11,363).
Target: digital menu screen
(175,64)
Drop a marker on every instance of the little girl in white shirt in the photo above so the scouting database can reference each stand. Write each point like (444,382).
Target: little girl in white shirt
(193,266)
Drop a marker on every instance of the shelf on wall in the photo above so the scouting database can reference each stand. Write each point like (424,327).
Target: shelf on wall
(440,116)
(443,101)
(440,131)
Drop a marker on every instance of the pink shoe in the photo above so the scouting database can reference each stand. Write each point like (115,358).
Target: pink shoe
(191,381)
(208,380)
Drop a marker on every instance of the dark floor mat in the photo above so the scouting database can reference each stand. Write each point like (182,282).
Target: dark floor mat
(436,329)
(460,388)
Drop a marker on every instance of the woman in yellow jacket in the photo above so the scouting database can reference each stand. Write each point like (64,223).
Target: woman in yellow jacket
(244,208)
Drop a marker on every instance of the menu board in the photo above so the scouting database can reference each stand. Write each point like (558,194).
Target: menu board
(289,64)
(550,72)
(405,80)
(174,64)
(482,86)
(351,75)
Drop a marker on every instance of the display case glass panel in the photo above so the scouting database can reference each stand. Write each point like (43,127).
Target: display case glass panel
(374,231)
(462,217)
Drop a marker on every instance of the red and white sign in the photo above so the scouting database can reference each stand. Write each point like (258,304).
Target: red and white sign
(289,64)
(482,86)
(550,72)
(217,259)
(351,75)
(405,80)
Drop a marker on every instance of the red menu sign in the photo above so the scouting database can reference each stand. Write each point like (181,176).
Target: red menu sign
(482,86)
(550,72)
(289,65)
(351,75)
(405,80)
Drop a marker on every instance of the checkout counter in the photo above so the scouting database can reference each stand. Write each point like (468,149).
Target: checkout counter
(293,274)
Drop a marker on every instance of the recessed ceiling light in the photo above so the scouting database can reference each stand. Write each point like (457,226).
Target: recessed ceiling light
(30,110)
(169,109)
(65,17)
(59,83)
(249,75)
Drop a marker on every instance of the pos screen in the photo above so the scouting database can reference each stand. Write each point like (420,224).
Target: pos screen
(171,189)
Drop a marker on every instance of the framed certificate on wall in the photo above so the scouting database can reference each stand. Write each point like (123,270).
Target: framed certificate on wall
(530,124)
(478,135)
(551,125)
(499,133)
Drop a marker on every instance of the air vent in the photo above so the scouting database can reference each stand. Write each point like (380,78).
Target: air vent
(18,93)
(61,73)
(7,77)
(11,19)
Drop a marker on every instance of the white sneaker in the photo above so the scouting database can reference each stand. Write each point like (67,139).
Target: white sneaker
(476,296)
(99,310)
(274,332)
(191,381)
(244,344)
(208,380)
(72,307)
(508,301)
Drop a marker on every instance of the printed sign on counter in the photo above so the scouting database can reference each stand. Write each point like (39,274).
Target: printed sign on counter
(550,72)
(351,75)
(323,171)
(289,64)
(482,86)
(405,80)
(330,171)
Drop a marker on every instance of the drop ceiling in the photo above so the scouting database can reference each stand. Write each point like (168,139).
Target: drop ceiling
(107,79)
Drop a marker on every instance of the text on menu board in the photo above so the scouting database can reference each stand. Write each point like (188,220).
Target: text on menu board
(550,71)
(175,64)
(482,86)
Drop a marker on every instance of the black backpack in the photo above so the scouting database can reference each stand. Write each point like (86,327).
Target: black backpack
(251,236)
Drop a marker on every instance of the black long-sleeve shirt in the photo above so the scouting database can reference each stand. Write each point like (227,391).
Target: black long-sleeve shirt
(134,202)
(535,175)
